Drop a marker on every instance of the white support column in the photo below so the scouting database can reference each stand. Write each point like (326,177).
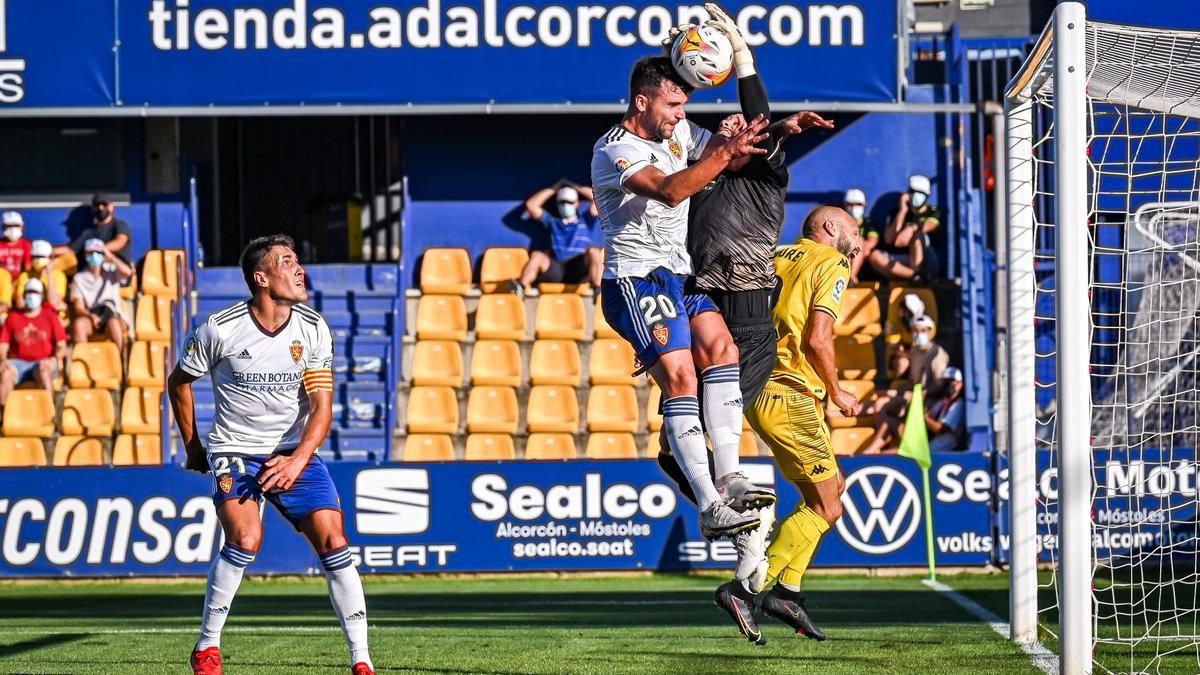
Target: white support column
(1073,344)
(1021,402)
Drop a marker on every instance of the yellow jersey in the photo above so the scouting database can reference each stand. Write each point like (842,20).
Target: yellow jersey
(811,277)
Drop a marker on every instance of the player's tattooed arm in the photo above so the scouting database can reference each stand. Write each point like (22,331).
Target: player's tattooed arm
(671,190)
(183,405)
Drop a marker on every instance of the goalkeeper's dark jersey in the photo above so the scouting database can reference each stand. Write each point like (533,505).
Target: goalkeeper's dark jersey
(734,222)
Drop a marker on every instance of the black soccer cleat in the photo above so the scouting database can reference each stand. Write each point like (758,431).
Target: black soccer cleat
(788,607)
(739,603)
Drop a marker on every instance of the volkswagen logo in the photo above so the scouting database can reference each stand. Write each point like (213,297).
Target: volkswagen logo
(881,510)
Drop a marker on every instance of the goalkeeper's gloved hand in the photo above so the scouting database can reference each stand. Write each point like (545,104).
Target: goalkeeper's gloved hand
(743,58)
(672,34)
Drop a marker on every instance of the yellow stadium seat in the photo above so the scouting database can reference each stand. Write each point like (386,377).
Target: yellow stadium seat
(432,410)
(859,315)
(428,448)
(851,441)
(855,358)
(496,362)
(152,321)
(611,446)
(29,412)
(22,452)
(493,410)
(555,362)
(446,271)
(501,264)
(78,451)
(600,327)
(160,272)
(749,444)
(863,390)
(148,364)
(95,365)
(611,362)
(560,316)
(896,329)
(437,363)
(441,317)
(550,446)
(654,418)
(501,316)
(141,411)
(553,408)
(490,447)
(612,407)
(139,449)
(88,412)
(578,289)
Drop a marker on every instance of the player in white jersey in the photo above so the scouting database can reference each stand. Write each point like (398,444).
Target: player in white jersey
(271,363)
(643,184)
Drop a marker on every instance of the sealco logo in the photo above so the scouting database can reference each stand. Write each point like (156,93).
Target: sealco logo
(12,80)
(882,510)
(391,501)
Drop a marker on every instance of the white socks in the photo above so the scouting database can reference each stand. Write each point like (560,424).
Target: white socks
(224,577)
(346,594)
(681,417)
(723,416)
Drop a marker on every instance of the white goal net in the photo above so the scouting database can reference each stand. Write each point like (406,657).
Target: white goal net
(1135,246)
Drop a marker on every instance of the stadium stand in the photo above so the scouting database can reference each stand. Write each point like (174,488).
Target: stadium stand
(137,449)
(493,410)
(88,412)
(428,448)
(607,445)
(29,412)
(153,319)
(500,265)
(16,452)
(160,273)
(851,441)
(95,365)
(500,316)
(555,362)
(552,408)
(78,451)
(432,410)
(611,362)
(560,315)
(860,314)
(896,328)
(490,446)
(446,271)
(148,364)
(441,317)
(748,446)
(855,358)
(612,408)
(496,362)
(141,411)
(545,446)
(438,363)
(654,418)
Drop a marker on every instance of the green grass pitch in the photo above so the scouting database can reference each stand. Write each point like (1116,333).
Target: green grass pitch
(655,624)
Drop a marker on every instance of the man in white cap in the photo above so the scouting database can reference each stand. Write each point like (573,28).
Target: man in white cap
(42,269)
(855,203)
(572,256)
(33,344)
(14,247)
(96,295)
(906,238)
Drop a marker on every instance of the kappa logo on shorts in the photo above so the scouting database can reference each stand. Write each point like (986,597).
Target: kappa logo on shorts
(673,146)
(661,333)
(297,350)
(225,483)
(817,470)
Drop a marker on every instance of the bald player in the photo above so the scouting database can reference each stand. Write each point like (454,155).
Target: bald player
(788,415)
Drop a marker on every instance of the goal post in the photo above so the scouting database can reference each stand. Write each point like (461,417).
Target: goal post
(1103,387)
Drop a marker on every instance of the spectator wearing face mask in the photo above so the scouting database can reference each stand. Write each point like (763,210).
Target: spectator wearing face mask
(107,227)
(945,418)
(905,244)
(33,344)
(14,248)
(572,257)
(96,295)
(922,362)
(855,203)
(54,281)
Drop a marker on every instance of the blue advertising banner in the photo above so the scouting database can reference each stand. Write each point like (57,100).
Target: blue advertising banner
(200,53)
(520,516)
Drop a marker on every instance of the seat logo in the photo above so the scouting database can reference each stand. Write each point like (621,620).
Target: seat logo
(881,510)
(391,501)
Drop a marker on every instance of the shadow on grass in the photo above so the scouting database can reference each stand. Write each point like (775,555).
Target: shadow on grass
(42,642)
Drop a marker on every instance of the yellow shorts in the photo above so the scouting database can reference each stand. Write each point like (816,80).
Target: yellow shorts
(792,423)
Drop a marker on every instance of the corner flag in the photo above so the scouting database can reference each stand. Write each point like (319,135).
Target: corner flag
(914,444)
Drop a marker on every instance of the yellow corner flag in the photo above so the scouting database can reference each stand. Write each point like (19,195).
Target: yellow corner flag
(914,444)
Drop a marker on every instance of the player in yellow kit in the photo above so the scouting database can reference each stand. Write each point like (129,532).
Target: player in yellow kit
(789,414)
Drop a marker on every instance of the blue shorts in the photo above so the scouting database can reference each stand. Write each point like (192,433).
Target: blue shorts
(652,313)
(236,477)
(26,369)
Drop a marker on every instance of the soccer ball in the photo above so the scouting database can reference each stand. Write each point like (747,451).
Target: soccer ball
(702,56)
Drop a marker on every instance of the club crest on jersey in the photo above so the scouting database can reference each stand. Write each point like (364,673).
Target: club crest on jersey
(673,146)
(661,333)
(297,350)
(189,347)
(225,483)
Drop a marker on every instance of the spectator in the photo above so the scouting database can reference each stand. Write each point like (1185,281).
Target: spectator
(14,248)
(96,295)
(572,257)
(113,232)
(855,203)
(33,344)
(54,281)
(945,419)
(904,252)
(923,362)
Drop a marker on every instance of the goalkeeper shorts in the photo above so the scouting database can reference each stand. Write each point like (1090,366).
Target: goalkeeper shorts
(792,424)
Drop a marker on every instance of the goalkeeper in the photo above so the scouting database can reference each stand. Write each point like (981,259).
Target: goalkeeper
(733,228)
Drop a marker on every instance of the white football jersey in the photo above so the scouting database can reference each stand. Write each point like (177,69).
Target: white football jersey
(261,380)
(642,234)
